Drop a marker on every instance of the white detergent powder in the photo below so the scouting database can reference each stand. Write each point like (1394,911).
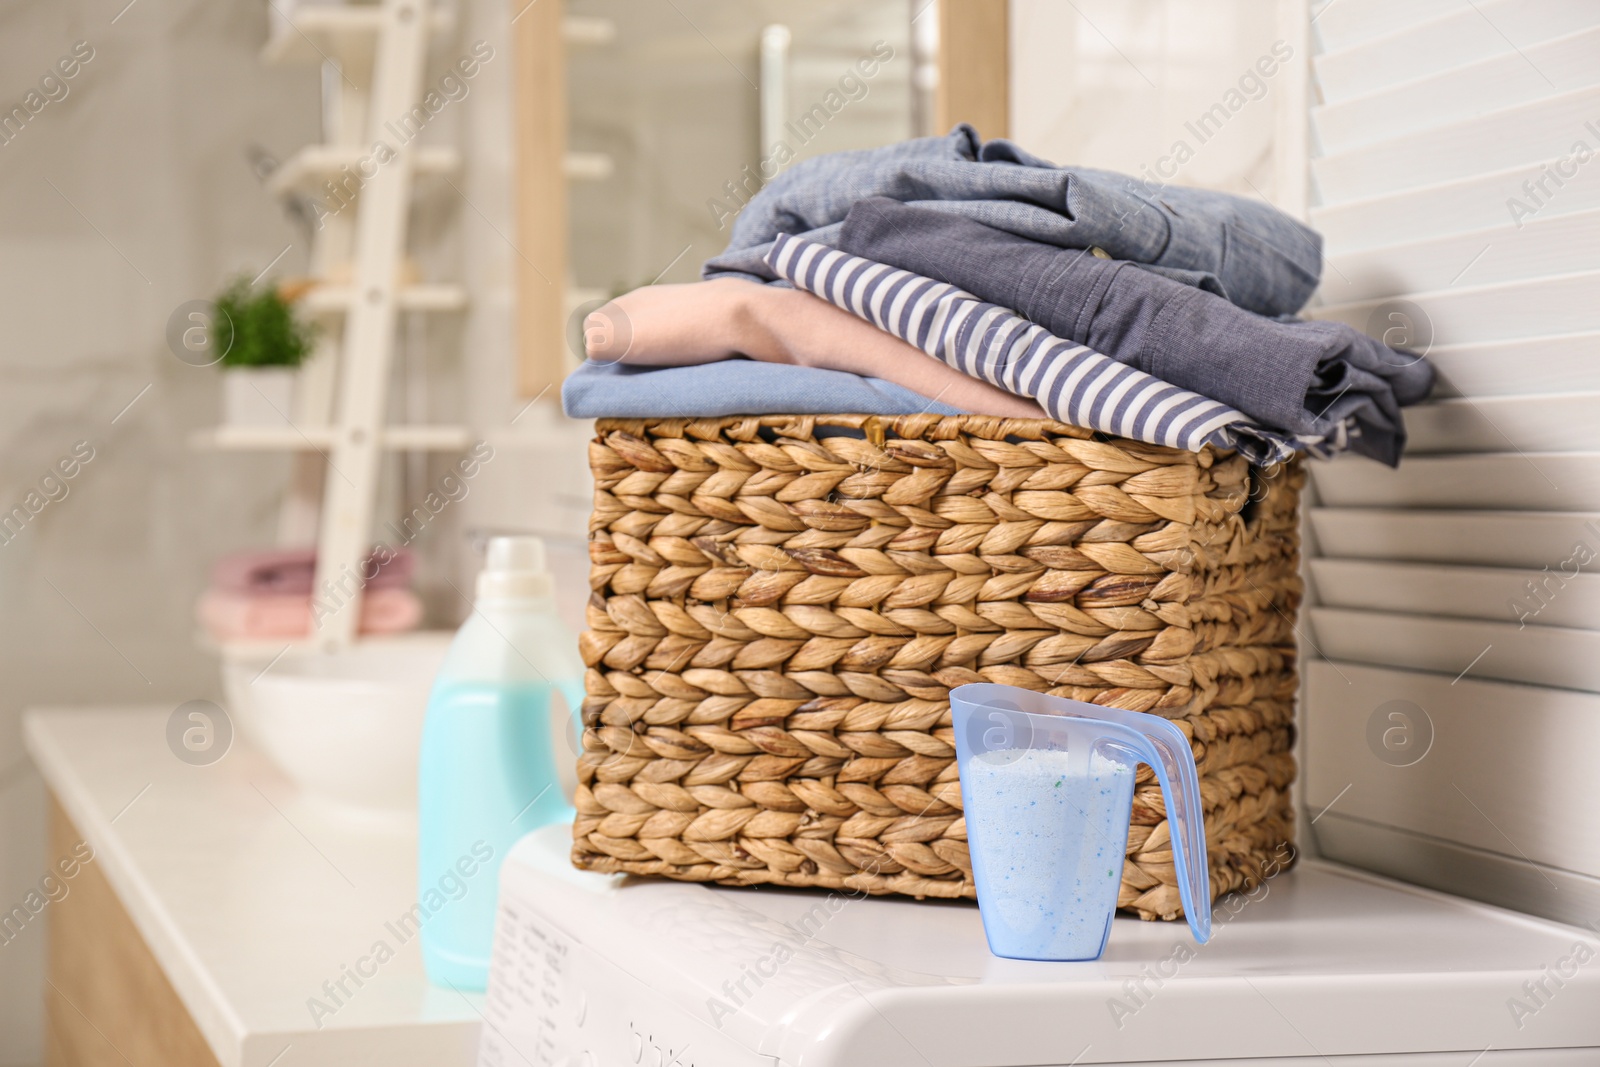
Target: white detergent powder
(1051,844)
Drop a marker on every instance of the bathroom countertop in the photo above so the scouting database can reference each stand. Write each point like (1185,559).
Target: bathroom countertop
(257,904)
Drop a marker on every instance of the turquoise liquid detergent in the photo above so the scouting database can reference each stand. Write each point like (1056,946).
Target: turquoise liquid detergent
(488,766)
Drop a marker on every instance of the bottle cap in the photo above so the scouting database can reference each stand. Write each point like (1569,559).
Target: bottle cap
(515,567)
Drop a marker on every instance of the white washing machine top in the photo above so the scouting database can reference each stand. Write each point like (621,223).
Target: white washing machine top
(1319,962)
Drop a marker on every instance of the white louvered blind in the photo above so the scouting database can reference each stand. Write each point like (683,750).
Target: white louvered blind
(1453,714)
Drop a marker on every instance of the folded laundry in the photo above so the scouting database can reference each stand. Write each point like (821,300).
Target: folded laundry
(1257,256)
(732,387)
(292,570)
(228,616)
(1073,383)
(714,322)
(1308,378)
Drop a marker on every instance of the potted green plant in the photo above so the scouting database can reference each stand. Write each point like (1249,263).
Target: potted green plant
(263,344)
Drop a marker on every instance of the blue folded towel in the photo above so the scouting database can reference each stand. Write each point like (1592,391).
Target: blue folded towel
(733,387)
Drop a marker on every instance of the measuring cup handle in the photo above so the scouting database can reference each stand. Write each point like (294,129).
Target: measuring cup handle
(1166,749)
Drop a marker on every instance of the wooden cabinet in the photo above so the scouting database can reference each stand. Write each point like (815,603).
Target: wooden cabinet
(107,1002)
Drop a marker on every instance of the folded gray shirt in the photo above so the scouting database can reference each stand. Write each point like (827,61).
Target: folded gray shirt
(1314,379)
(1249,251)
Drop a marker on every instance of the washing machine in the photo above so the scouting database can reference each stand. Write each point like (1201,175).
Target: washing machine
(1320,965)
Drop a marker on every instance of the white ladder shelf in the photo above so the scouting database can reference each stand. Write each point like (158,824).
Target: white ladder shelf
(373,56)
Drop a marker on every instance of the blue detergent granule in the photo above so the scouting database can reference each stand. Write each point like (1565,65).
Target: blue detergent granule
(1051,845)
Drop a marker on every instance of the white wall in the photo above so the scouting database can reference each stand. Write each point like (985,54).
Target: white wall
(1120,83)
(152,204)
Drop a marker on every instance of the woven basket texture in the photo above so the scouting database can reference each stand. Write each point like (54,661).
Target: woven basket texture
(781,605)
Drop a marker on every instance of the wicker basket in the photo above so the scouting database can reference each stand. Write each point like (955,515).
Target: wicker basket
(779,613)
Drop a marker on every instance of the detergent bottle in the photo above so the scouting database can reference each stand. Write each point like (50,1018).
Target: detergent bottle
(487,771)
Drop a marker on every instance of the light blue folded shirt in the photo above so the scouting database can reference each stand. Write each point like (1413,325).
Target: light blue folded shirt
(733,387)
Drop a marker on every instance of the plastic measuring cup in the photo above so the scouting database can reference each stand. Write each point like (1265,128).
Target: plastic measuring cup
(1047,787)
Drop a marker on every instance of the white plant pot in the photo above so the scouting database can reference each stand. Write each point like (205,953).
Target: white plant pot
(258,396)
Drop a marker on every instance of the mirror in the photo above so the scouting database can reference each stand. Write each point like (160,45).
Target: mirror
(645,128)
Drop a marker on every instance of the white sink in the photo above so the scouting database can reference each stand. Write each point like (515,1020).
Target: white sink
(343,726)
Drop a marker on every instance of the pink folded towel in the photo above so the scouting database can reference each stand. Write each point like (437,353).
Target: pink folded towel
(292,570)
(287,616)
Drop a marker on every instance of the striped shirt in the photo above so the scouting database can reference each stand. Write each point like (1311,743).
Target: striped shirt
(1074,384)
